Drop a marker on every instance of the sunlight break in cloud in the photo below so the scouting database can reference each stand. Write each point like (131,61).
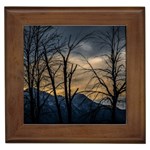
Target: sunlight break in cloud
(96,61)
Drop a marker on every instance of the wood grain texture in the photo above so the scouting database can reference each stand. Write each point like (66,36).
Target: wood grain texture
(131,132)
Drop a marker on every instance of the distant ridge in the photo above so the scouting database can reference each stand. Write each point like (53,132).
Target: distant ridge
(84,110)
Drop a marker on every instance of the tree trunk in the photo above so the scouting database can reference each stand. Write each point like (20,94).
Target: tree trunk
(70,113)
(66,91)
(57,103)
(114,110)
(38,102)
(32,108)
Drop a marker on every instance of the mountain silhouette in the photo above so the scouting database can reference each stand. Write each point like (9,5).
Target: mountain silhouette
(84,110)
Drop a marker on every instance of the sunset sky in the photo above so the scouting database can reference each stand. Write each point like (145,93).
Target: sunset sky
(90,49)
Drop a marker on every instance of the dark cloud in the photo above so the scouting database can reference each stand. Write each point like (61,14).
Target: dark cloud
(90,47)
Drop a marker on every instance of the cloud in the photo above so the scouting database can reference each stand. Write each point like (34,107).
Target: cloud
(96,61)
(86,47)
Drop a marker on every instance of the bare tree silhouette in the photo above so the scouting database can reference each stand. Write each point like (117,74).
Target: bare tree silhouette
(112,78)
(29,36)
(48,68)
(52,75)
(69,69)
(34,66)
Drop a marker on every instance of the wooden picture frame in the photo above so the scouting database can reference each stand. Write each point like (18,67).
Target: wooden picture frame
(131,132)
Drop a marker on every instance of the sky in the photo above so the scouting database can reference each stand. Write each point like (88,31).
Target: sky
(91,49)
